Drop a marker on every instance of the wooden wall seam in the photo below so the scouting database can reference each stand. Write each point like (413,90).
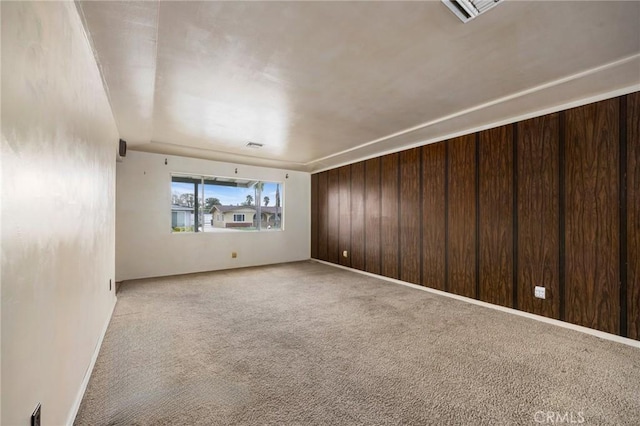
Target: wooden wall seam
(446,216)
(633,215)
(561,217)
(514,217)
(314,216)
(622,208)
(476,198)
(420,216)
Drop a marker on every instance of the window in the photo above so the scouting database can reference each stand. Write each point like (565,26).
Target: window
(219,204)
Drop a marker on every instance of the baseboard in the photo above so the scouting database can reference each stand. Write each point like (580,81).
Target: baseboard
(563,324)
(85,382)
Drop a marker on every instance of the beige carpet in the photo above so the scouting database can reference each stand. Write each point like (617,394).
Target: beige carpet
(306,343)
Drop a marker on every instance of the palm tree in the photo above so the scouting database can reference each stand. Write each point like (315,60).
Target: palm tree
(266,201)
(277,219)
(258,187)
(249,201)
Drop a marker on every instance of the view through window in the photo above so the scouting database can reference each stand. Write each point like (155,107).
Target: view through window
(220,204)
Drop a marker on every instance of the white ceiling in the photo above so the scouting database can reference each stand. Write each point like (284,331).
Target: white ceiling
(326,83)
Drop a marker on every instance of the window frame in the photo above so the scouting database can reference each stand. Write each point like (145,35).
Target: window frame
(199,222)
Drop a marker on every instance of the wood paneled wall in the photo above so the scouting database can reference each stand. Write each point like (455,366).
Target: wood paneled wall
(553,201)
(461,231)
(495,212)
(538,214)
(633,215)
(390,216)
(358,235)
(434,215)
(373,216)
(592,230)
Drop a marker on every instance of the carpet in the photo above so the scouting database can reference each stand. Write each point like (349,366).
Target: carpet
(306,343)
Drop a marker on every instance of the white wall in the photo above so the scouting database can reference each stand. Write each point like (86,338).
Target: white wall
(145,246)
(58,230)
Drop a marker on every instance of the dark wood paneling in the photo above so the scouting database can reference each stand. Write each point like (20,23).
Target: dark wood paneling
(462,216)
(389,232)
(372,215)
(333,240)
(633,215)
(433,215)
(574,229)
(323,216)
(592,227)
(314,216)
(538,215)
(345,215)
(357,216)
(496,215)
(410,216)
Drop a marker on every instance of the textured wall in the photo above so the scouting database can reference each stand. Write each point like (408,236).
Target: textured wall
(58,210)
(145,246)
(551,201)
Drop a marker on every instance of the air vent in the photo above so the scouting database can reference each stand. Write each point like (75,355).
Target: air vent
(466,10)
(254,145)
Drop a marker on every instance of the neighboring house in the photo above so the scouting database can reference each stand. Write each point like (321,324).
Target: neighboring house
(181,217)
(233,216)
(269,217)
(243,216)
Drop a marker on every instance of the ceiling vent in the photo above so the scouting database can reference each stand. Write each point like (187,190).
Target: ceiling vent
(254,145)
(466,10)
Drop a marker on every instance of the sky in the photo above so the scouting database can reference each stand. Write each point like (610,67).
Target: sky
(230,196)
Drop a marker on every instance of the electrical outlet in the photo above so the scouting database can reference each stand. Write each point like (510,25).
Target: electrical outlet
(35,416)
(234,254)
(345,254)
(540,292)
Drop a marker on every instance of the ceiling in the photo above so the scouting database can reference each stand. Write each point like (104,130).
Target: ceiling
(327,83)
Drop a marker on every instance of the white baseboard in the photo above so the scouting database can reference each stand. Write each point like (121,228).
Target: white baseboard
(85,382)
(586,330)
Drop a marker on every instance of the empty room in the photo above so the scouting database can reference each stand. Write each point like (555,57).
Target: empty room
(320,212)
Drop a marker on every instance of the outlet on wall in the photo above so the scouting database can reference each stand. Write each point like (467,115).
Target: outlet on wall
(540,292)
(345,254)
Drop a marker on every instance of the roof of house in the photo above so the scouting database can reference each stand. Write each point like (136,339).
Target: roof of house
(263,209)
(175,207)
